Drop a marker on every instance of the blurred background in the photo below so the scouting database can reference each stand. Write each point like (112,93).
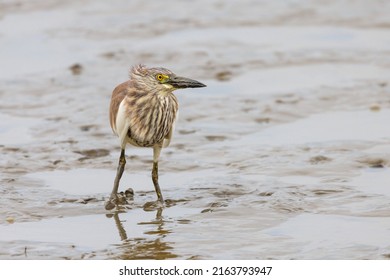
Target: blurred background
(285,154)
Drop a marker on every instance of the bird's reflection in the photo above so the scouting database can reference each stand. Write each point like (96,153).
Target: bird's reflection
(145,247)
(119,226)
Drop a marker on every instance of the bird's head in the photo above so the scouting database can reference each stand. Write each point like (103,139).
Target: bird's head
(160,79)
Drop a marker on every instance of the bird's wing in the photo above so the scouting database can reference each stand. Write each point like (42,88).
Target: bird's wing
(122,124)
(118,94)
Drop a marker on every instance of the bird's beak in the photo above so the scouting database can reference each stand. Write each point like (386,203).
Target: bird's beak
(181,82)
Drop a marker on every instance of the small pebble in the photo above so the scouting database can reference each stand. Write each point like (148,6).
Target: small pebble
(375,107)
(76,69)
(224,75)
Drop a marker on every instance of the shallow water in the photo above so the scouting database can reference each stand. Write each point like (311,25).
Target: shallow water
(285,154)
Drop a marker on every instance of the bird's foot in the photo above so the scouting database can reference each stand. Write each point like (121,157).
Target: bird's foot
(110,204)
(154,205)
(119,199)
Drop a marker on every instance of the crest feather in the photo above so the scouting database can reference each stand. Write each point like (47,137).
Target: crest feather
(139,69)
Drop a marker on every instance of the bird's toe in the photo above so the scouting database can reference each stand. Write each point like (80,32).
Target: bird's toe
(109,205)
(153,205)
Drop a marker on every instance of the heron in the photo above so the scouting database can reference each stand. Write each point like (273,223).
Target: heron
(143,112)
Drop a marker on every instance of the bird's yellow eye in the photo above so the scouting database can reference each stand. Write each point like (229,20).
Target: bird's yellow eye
(159,77)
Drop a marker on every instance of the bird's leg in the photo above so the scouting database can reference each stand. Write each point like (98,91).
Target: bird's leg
(111,203)
(156,154)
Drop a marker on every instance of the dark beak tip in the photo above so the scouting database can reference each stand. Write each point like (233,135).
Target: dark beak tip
(200,85)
